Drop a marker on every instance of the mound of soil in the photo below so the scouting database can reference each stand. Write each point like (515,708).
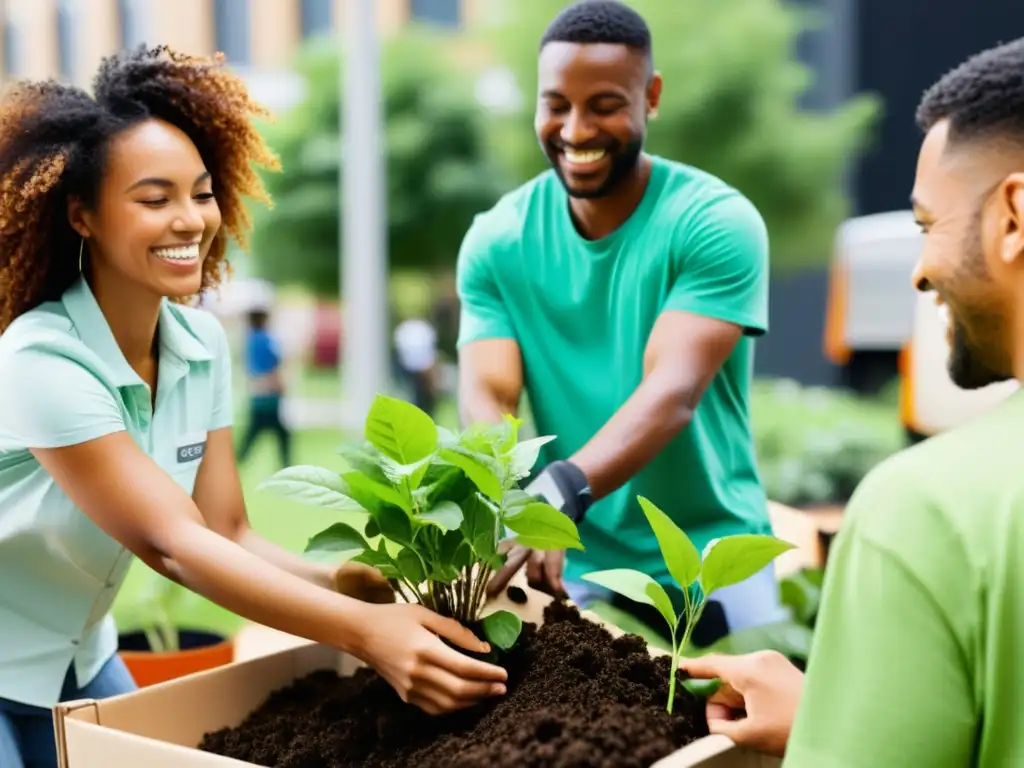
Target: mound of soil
(576,698)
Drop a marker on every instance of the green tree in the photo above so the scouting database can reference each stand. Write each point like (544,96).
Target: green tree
(732,86)
(438,172)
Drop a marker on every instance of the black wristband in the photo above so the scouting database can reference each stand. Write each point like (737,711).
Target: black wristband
(563,485)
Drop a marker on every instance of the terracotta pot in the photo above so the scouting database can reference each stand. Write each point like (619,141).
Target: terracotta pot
(199,651)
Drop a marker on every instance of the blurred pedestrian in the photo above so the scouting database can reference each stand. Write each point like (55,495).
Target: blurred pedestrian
(115,399)
(916,659)
(416,349)
(266,388)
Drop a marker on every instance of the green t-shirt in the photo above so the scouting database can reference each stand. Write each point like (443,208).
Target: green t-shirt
(918,656)
(582,311)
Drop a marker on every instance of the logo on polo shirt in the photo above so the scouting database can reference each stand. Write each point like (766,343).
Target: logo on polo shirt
(193,449)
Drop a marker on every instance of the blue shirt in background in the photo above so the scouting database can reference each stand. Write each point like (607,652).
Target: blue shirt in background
(261,355)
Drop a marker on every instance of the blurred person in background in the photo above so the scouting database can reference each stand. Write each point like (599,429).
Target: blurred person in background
(415,342)
(266,387)
(622,292)
(916,659)
(116,407)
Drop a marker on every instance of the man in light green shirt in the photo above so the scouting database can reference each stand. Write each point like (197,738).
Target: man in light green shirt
(917,655)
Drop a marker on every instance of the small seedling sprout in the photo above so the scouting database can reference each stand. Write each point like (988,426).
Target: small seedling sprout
(429,508)
(726,561)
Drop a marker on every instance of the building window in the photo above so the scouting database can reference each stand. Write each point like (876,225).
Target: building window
(66,49)
(131,17)
(441,12)
(231,19)
(317,17)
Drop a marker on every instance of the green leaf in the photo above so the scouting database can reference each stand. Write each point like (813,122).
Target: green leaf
(363,459)
(801,593)
(312,485)
(488,439)
(411,473)
(508,434)
(703,687)
(502,629)
(733,559)
(443,573)
(787,637)
(483,476)
(444,483)
(681,557)
(446,515)
(455,551)
(411,566)
(515,499)
(524,455)
(446,438)
(541,526)
(638,587)
(479,526)
(374,495)
(400,430)
(379,559)
(395,525)
(339,538)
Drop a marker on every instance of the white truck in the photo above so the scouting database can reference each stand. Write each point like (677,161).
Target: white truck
(879,327)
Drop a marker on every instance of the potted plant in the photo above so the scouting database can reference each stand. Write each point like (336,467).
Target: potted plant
(159,648)
(430,508)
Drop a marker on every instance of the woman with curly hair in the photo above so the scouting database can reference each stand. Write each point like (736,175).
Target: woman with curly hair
(115,399)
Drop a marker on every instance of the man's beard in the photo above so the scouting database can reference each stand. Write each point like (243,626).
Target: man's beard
(970,365)
(967,366)
(625,158)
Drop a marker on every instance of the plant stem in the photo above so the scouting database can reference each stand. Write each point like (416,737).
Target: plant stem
(484,576)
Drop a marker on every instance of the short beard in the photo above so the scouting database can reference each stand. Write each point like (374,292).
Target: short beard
(967,368)
(624,161)
(972,366)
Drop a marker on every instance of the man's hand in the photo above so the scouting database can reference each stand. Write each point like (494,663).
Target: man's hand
(363,582)
(564,486)
(757,701)
(543,571)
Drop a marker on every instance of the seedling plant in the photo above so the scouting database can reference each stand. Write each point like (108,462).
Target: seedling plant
(726,561)
(430,509)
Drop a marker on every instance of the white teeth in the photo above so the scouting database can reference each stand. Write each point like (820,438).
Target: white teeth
(581,157)
(186,253)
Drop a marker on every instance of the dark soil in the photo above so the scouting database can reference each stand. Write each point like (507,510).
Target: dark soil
(576,698)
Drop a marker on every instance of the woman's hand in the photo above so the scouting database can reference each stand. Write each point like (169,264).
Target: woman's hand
(363,582)
(403,643)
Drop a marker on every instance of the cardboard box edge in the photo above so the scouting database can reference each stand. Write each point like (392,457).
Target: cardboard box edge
(89,712)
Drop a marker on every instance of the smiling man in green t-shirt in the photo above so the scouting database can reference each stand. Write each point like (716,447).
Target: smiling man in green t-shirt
(622,293)
(916,661)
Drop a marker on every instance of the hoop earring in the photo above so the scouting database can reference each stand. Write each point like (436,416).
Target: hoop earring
(81,253)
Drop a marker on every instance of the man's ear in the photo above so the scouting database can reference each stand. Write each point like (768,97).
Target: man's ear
(654,95)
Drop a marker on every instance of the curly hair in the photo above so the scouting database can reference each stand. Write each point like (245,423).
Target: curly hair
(53,147)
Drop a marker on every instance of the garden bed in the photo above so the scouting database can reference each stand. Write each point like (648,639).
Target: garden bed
(576,698)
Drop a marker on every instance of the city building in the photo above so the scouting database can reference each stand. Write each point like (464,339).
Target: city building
(66,39)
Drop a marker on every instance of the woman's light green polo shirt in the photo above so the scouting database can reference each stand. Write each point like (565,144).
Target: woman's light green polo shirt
(64,381)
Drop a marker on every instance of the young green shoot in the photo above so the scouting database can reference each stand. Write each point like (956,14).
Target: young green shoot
(726,561)
(429,509)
